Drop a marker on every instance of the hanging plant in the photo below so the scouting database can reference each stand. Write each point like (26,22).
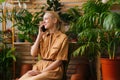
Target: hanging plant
(54,5)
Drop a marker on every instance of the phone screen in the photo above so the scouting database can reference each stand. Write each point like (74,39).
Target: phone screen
(43,28)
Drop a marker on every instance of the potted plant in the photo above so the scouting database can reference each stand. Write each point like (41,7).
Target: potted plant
(98,31)
(27,23)
(6,60)
(89,29)
(110,40)
(21,37)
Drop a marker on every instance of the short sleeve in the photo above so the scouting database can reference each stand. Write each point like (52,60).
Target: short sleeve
(63,52)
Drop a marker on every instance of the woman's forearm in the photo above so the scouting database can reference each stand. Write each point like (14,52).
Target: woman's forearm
(35,46)
(52,66)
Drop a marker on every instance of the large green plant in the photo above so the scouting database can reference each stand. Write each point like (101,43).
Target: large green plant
(110,38)
(92,27)
(6,59)
(27,23)
(88,27)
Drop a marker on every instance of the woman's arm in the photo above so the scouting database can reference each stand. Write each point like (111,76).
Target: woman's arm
(52,66)
(35,47)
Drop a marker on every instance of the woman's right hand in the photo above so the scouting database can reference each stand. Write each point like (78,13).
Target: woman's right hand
(40,33)
(40,26)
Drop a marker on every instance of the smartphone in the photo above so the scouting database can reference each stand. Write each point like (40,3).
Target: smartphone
(43,28)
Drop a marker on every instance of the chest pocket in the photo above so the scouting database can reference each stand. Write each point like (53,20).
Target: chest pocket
(55,47)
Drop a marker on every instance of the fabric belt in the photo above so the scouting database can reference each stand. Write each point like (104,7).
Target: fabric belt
(47,59)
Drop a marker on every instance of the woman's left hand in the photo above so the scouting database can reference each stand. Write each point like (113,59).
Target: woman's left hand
(33,72)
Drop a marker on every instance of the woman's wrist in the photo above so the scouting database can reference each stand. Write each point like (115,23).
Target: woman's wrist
(38,39)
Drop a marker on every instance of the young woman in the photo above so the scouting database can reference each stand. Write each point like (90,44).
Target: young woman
(52,45)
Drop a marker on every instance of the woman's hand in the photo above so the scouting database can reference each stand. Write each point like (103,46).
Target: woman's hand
(53,66)
(40,27)
(33,72)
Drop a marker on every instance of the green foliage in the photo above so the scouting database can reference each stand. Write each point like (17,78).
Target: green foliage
(6,59)
(27,23)
(114,21)
(0,18)
(95,6)
(89,27)
(6,62)
(110,38)
(74,15)
(98,30)
(54,5)
(2,1)
(71,17)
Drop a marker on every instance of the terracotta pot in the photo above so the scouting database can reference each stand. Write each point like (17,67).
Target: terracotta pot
(25,68)
(110,69)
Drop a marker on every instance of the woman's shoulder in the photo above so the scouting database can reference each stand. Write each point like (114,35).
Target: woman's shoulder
(61,34)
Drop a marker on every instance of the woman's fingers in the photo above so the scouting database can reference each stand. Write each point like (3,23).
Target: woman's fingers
(33,72)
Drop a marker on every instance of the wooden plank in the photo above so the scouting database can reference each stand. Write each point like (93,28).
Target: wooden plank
(22,43)
(24,49)
(28,62)
(27,58)
(115,7)
(23,53)
(73,0)
(40,2)
(72,5)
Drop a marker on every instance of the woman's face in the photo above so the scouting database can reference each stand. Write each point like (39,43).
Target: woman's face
(49,22)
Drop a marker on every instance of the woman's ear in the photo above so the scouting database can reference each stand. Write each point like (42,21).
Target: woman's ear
(55,20)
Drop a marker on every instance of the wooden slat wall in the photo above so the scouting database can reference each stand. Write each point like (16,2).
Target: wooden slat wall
(35,6)
(23,53)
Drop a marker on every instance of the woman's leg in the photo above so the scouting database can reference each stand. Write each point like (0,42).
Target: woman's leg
(41,76)
(25,76)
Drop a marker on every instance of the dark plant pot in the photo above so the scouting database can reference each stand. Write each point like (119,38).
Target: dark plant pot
(0,49)
(25,68)
(21,40)
(110,69)
(82,71)
(1,75)
(83,68)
